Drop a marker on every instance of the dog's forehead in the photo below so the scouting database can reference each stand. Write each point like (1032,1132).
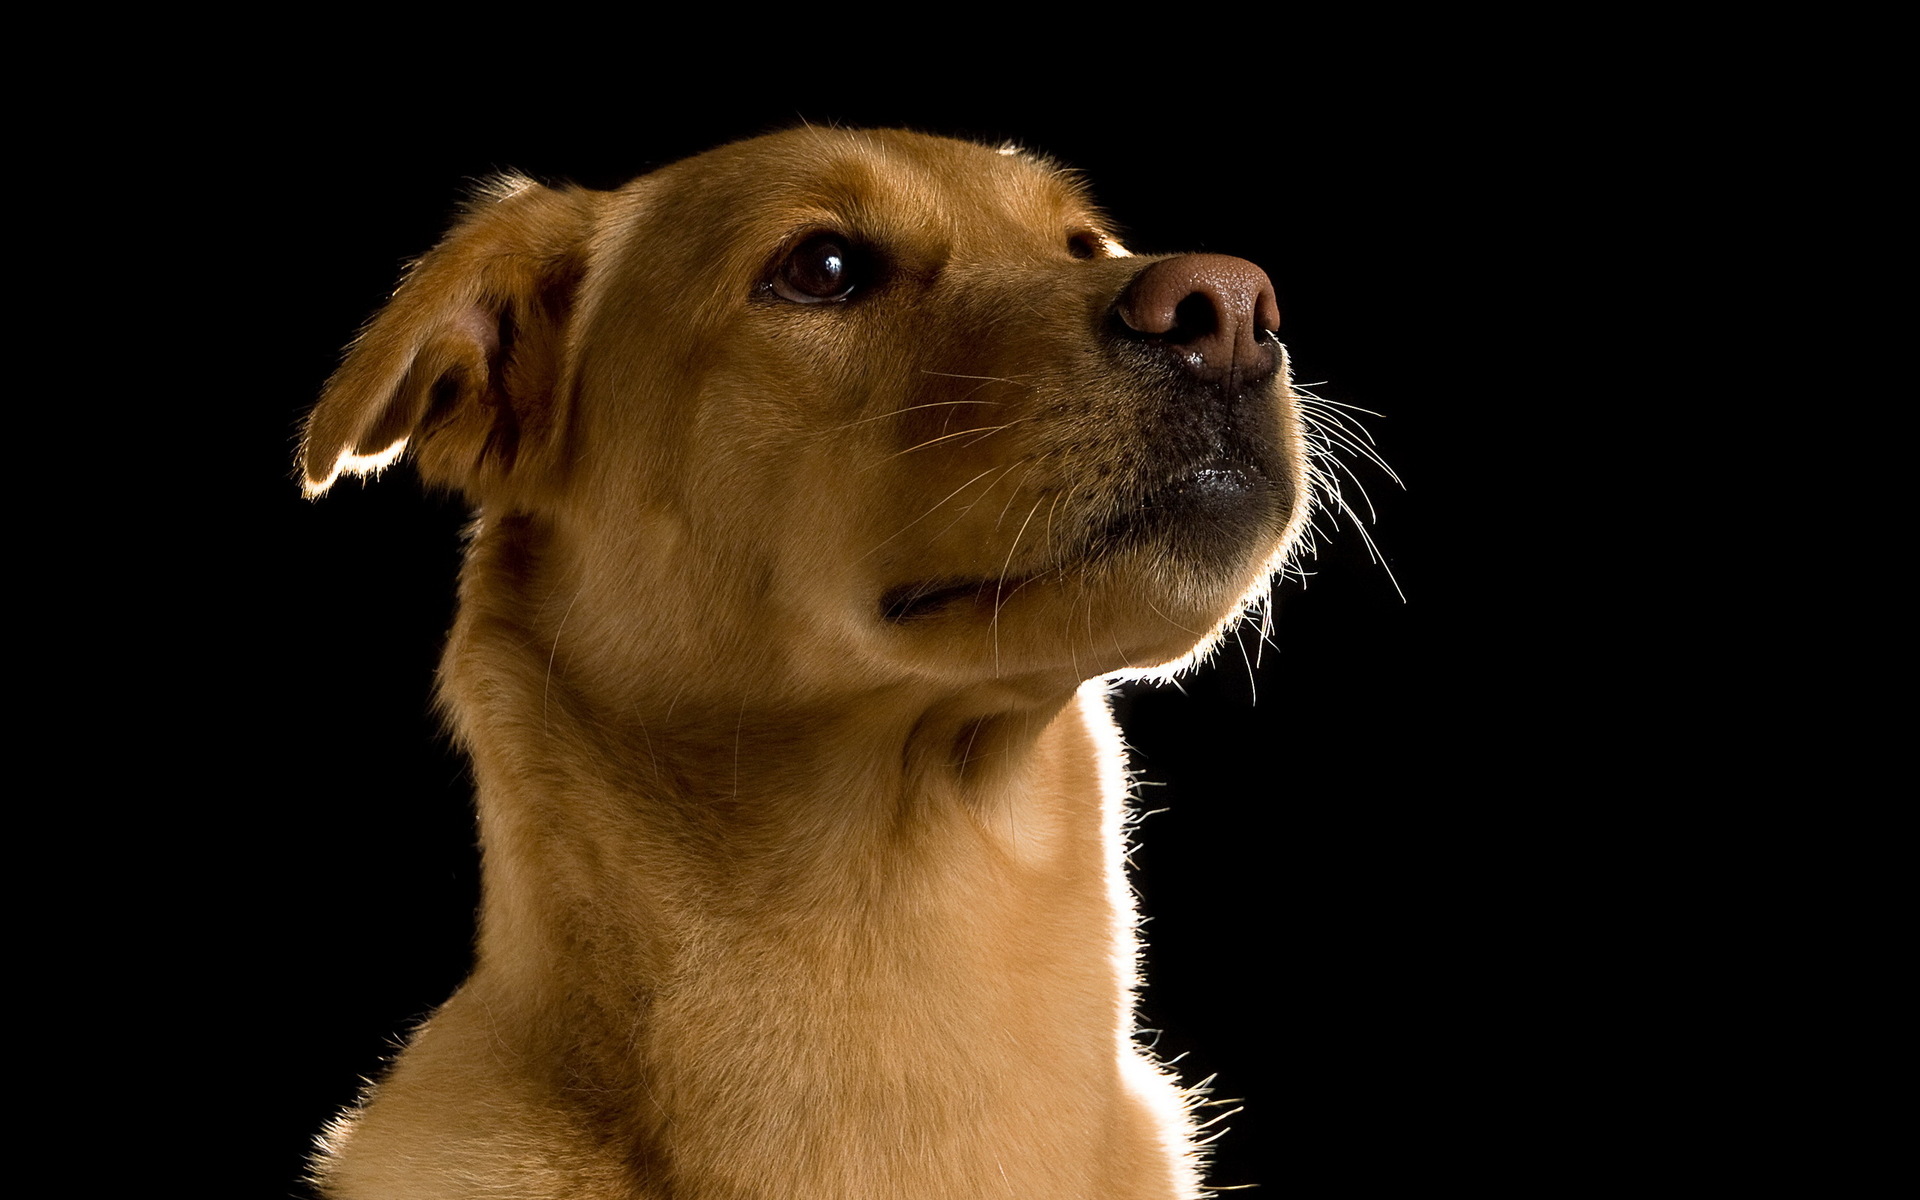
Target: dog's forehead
(873,178)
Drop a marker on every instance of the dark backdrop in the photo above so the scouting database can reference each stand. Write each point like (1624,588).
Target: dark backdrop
(1354,905)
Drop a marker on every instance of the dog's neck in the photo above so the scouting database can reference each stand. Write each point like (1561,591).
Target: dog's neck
(753,807)
(713,920)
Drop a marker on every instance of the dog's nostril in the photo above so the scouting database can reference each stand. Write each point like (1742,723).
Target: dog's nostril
(1195,317)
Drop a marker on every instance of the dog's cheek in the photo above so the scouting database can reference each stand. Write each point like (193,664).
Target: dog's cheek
(1045,433)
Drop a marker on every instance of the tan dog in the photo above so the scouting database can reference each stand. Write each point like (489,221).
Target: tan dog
(814,477)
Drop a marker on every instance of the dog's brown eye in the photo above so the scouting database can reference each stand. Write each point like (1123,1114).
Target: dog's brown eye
(1084,244)
(819,270)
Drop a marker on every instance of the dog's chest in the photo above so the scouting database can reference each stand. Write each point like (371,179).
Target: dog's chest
(806,1040)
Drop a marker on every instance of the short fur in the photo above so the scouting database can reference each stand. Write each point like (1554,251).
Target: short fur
(802,824)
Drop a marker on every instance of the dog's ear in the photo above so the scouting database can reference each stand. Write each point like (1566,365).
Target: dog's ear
(465,363)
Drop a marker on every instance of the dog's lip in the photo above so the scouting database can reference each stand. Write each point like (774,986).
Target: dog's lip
(1211,490)
(1213,510)
(1214,489)
(924,598)
(1217,480)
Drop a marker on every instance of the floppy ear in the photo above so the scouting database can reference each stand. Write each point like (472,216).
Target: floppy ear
(465,362)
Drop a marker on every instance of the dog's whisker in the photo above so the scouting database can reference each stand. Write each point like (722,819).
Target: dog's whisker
(1350,435)
(1266,605)
(1337,464)
(888,416)
(1007,379)
(982,431)
(1120,652)
(1197,633)
(1000,585)
(983,386)
(1253,680)
(1001,474)
(1051,509)
(1340,505)
(1013,495)
(1301,389)
(966,509)
(1330,431)
(1327,433)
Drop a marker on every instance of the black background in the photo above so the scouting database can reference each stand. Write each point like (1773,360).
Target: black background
(1359,910)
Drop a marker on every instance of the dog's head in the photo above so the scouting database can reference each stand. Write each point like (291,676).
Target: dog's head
(839,406)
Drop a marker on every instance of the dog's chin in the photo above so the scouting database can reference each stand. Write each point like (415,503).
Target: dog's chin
(1152,579)
(1211,518)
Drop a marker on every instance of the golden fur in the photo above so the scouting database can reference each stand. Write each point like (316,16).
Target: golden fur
(802,823)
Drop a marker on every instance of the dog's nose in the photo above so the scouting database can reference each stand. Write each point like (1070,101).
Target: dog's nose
(1215,309)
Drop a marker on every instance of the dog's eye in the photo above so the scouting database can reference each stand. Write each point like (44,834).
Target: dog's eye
(1085,244)
(822,269)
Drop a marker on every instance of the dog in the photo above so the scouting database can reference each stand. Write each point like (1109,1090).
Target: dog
(821,483)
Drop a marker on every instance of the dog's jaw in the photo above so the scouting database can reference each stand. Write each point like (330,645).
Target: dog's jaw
(1143,569)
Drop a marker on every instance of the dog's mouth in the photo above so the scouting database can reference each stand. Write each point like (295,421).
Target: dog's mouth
(1218,490)
(1206,517)
(928,598)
